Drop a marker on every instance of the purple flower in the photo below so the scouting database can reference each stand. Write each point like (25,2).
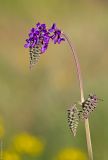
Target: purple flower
(41,36)
(38,37)
(55,34)
(38,40)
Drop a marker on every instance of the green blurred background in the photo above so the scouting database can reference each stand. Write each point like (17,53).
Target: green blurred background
(36,101)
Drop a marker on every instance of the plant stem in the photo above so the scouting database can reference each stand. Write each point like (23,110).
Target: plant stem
(78,70)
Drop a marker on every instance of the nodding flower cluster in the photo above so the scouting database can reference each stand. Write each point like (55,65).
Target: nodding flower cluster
(41,36)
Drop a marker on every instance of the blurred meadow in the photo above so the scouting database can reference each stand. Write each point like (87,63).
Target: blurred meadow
(33,104)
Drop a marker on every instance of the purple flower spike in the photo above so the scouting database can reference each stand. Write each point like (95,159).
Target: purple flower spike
(39,38)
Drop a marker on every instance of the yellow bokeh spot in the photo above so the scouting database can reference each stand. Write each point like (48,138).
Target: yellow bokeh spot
(71,154)
(1,128)
(10,156)
(28,144)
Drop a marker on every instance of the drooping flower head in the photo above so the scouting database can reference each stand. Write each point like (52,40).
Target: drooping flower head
(39,38)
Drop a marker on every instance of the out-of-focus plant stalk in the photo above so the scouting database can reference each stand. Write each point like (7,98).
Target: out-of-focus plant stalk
(78,70)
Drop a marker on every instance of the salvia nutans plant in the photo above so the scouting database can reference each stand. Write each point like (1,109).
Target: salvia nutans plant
(38,40)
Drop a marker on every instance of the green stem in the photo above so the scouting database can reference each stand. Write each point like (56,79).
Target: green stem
(78,70)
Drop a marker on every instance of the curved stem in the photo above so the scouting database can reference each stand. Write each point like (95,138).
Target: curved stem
(77,67)
(78,70)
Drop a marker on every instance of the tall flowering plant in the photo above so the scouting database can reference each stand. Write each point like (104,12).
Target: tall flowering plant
(38,41)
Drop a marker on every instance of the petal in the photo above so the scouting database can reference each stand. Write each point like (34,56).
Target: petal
(53,26)
(60,39)
(27,45)
(43,26)
(36,32)
(27,40)
(58,32)
(32,30)
(30,35)
(38,24)
(44,31)
(33,44)
(44,47)
(50,30)
(46,39)
(55,40)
